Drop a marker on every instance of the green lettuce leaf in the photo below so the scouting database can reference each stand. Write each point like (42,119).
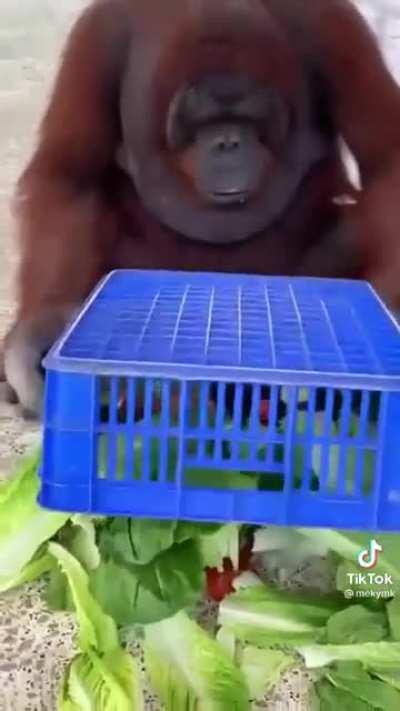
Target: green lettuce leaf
(83,543)
(140,541)
(41,564)
(356,681)
(180,654)
(79,538)
(24,526)
(356,624)
(192,529)
(141,594)
(103,677)
(332,698)
(263,669)
(221,479)
(224,543)
(96,629)
(374,656)
(392,678)
(95,682)
(263,616)
(136,541)
(169,683)
(57,592)
(393,613)
(227,640)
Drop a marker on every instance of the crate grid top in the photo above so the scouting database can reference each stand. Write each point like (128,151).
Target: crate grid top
(234,327)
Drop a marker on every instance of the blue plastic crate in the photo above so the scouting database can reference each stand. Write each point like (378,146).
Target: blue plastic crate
(154,394)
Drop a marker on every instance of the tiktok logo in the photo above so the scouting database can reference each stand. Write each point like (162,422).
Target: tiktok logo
(368,557)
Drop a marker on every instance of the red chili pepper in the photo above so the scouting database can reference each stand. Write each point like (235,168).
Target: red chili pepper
(264,412)
(220,582)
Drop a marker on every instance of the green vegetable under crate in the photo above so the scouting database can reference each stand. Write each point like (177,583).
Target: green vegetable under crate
(144,579)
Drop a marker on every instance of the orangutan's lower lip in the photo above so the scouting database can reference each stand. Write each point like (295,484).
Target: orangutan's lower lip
(230,197)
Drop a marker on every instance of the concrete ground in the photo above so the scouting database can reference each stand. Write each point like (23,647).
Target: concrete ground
(31,33)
